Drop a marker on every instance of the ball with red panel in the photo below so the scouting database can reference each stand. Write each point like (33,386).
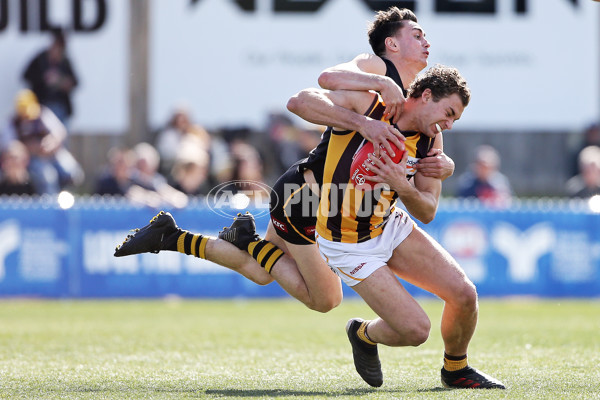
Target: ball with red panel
(361,170)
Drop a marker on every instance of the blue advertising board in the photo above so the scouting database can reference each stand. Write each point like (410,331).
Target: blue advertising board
(539,249)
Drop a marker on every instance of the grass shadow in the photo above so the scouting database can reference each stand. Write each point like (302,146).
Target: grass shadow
(297,393)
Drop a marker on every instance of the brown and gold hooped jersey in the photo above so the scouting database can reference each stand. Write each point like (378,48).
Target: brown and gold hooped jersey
(350,215)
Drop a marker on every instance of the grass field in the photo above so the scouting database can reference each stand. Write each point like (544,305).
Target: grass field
(279,349)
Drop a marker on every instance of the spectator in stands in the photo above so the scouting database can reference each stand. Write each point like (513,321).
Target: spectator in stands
(484,181)
(247,176)
(51,167)
(284,135)
(309,136)
(51,77)
(587,182)
(150,187)
(115,180)
(589,137)
(180,134)
(14,177)
(190,174)
(221,161)
(248,163)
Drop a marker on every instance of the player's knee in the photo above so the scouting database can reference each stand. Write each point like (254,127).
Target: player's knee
(263,280)
(325,304)
(413,333)
(256,275)
(419,332)
(321,307)
(466,297)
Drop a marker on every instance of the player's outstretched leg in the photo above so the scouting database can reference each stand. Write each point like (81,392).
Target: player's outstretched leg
(163,234)
(366,356)
(152,238)
(469,378)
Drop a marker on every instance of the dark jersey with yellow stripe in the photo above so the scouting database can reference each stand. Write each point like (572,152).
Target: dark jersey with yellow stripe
(316,158)
(351,215)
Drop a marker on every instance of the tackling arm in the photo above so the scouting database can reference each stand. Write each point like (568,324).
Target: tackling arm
(366,72)
(338,108)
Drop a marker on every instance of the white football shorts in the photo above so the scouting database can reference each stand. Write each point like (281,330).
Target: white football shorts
(353,262)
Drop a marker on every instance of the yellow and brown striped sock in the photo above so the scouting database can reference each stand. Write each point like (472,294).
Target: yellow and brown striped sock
(362,333)
(266,253)
(191,244)
(454,363)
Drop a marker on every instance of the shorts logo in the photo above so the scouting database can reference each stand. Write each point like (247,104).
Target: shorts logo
(279,225)
(358,267)
(335,270)
(310,230)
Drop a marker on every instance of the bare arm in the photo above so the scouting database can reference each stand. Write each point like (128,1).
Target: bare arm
(53,124)
(324,107)
(339,109)
(366,72)
(420,200)
(57,132)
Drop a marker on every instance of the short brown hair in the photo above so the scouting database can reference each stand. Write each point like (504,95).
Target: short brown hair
(386,24)
(443,81)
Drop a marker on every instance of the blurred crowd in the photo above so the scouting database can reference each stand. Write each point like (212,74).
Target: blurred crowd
(180,160)
(183,159)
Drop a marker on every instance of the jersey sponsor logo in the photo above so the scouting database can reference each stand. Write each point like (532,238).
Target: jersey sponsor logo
(310,230)
(358,267)
(279,225)
(410,165)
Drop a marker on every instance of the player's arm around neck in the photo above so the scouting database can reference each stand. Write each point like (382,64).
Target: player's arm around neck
(364,72)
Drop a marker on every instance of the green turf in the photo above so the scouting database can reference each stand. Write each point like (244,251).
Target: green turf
(279,349)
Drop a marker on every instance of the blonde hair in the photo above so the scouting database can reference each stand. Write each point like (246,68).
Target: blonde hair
(27,104)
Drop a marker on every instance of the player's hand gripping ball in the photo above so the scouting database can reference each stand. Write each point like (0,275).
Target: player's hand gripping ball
(360,170)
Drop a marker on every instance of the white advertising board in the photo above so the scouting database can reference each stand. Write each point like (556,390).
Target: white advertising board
(533,69)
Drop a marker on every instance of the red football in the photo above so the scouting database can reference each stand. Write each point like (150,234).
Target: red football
(359,170)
